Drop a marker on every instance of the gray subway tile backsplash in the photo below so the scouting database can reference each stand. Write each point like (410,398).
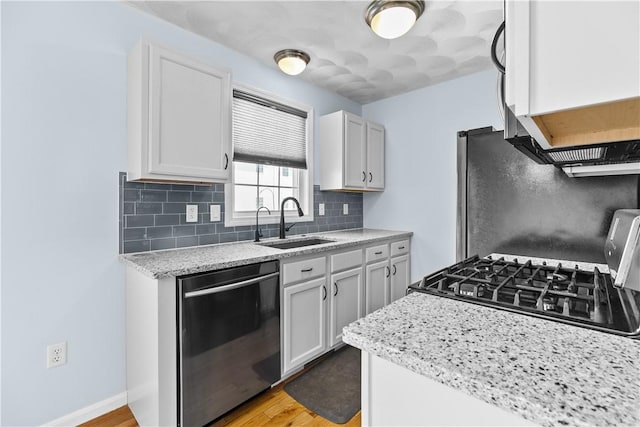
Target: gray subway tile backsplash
(152,216)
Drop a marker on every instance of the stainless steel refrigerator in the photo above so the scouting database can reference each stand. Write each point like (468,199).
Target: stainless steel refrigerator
(507,203)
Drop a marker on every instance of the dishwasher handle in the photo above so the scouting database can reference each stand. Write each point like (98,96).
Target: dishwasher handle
(231,286)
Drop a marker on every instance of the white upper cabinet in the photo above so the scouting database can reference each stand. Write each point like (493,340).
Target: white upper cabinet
(351,153)
(179,117)
(354,151)
(375,156)
(572,70)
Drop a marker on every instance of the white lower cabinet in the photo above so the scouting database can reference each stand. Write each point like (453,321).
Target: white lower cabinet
(322,295)
(345,302)
(400,277)
(387,274)
(304,322)
(376,285)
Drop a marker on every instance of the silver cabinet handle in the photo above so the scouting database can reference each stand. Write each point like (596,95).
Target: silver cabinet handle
(324,292)
(335,285)
(370,177)
(388,270)
(378,253)
(394,269)
(229,287)
(226,161)
(364,176)
(306,270)
(401,247)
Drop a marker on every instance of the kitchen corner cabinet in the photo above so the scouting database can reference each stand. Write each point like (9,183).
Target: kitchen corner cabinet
(577,86)
(400,272)
(351,153)
(179,118)
(387,274)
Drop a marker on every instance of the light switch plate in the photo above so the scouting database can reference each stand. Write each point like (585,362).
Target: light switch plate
(345,208)
(321,209)
(192,213)
(214,213)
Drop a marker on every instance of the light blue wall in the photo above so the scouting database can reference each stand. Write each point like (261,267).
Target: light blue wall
(63,143)
(420,171)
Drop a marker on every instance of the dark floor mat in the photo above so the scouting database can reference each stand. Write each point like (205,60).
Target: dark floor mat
(331,389)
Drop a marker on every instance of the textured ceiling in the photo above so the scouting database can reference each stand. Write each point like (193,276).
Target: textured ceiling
(451,39)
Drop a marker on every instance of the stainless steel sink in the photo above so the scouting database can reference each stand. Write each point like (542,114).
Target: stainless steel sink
(296,243)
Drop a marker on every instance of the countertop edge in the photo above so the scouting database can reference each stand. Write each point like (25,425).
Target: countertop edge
(277,254)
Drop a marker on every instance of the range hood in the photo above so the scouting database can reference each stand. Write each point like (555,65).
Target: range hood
(585,142)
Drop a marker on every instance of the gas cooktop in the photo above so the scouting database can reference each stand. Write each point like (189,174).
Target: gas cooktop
(563,291)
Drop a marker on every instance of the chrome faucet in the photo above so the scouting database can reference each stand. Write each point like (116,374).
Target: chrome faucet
(300,213)
(258,232)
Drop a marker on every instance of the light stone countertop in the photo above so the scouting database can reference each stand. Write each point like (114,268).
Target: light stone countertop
(178,262)
(547,372)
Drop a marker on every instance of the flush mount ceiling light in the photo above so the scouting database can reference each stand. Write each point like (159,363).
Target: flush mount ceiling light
(291,61)
(392,18)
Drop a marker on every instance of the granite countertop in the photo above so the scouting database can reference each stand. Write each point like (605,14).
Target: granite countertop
(547,372)
(178,262)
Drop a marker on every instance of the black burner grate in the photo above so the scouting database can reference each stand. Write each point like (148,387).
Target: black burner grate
(559,292)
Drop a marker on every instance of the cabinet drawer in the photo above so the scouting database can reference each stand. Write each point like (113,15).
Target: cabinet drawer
(300,270)
(346,260)
(377,253)
(399,248)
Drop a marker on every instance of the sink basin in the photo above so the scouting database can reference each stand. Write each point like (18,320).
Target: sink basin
(296,243)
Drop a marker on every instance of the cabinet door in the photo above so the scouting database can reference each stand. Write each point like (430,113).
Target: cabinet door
(376,285)
(304,322)
(346,302)
(190,128)
(375,156)
(399,276)
(354,152)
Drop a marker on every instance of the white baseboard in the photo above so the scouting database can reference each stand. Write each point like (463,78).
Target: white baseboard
(90,412)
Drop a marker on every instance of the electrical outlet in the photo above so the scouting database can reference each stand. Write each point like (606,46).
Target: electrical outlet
(321,209)
(214,213)
(345,208)
(192,213)
(56,354)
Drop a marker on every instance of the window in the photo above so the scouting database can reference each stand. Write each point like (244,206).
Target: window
(272,160)
(264,185)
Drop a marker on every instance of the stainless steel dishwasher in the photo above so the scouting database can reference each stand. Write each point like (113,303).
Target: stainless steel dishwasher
(229,339)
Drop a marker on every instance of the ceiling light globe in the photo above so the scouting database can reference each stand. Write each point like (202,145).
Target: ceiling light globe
(292,65)
(393,22)
(390,19)
(291,61)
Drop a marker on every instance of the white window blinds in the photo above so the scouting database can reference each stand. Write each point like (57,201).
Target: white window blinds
(267,132)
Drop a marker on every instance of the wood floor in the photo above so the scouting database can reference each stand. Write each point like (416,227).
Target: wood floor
(272,408)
